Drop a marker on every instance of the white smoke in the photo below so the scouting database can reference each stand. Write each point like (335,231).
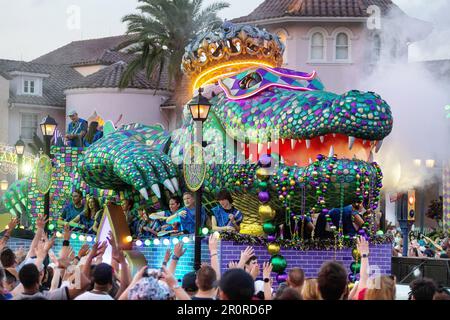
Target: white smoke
(417,97)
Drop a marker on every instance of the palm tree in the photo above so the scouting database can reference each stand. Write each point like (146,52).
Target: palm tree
(162,30)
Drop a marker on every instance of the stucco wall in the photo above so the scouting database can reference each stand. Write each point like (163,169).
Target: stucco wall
(4,96)
(140,106)
(15,120)
(337,76)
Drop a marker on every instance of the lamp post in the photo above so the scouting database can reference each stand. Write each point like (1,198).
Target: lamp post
(20,150)
(48,127)
(402,217)
(199,107)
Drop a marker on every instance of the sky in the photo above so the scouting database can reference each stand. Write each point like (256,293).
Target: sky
(30,28)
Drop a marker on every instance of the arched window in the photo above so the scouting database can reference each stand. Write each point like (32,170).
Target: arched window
(317,46)
(342,46)
(283,36)
(376,47)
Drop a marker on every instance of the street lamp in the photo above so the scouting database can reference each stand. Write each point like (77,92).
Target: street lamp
(20,150)
(48,127)
(4,185)
(199,107)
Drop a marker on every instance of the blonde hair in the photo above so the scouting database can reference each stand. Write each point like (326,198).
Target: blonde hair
(381,288)
(310,290)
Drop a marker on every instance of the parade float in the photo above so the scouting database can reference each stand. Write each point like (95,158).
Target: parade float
(284,147)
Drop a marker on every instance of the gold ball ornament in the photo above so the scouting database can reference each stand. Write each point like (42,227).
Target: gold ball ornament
(262,174)
(273,248)
(355,254)
(266,212)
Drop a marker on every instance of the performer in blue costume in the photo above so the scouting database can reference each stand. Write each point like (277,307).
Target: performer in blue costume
(186,215)
(225,217)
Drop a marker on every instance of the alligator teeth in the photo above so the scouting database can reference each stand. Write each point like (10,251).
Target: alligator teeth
(371,157)
(351,142)
(282,160)
(334,135)
(293,143)
(308,143)
(364,141)
(242,145)
(282,141)
(156,190)
(250,157)
(378,146)
(269,145)
(175,184)
(144,193)
(322,139)
(296,164)
(168,184)
(331,153)
(310,161)
(260,147)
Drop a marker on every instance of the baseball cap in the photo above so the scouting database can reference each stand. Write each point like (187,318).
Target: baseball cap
(71,112)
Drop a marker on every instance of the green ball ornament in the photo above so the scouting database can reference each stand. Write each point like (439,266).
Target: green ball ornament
(269,227)
(279,263)
(263,184)
(355,267)
(355,254)
(380,233)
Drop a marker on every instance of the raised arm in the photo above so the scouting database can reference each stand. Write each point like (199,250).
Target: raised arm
(213,253)
(138,276)
(121,263)
(363,247)
(267,269)
(11,226)
(178,252)
(245,255)
(168,278)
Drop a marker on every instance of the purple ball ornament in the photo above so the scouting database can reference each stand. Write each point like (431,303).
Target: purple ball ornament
(263,196)
(281,277)
(265,161)
(271,238)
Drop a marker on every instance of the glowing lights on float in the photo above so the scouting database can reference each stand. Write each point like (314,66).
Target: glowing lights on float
(156,242)
(166,242)
(211,75)
(89,239)
(175,240)
(205,231)
(82,238)
(129,239)
(58,234)
(73,236)
(147,242)
(138,243)
(185,239)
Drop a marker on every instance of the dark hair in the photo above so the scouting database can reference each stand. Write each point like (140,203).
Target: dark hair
(189,193)
(289,294)
(206,277)
(175,198)
(188,282)
(251,259)
(237,284)
(2,276)
(103,274)
(332,280)
(79,192)
(296,277)
(87,210)
(7,258)
(29,275)
(442,294)
(423,289)
(224,195)
(92,130)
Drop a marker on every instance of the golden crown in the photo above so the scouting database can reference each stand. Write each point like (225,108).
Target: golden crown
(223,52)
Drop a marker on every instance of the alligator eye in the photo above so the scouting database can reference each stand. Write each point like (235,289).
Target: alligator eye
(250,80)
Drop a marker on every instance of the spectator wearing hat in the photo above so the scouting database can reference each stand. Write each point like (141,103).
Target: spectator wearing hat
(76,130)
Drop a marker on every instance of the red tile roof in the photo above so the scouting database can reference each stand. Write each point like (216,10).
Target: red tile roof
(270,9)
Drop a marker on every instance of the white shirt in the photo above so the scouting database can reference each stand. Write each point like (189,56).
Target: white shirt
(93,296)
